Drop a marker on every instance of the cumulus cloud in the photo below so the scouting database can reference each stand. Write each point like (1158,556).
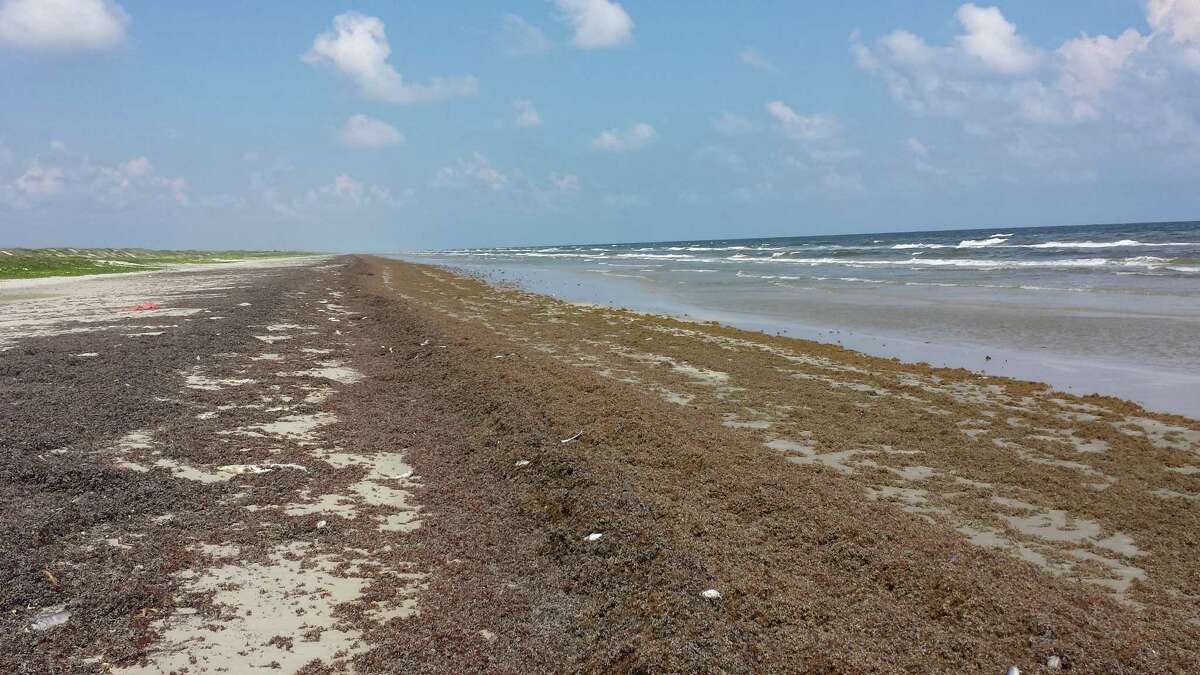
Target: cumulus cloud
(478,178)
(475,171)
(1060,109)
(62,24)
(597,23)
(992,39)
(353,192)
(519,38)
(527,114)
(757,60)
(806,128)
(362,131)
(357,47)
(1178,18)
(133,182)
(623,140)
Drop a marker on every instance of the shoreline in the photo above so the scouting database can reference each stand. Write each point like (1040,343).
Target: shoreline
(1152,385)
(425,459)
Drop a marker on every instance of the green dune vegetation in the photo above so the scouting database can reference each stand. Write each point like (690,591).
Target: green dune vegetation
(26,263)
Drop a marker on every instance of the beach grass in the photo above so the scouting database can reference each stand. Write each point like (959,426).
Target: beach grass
(18,263)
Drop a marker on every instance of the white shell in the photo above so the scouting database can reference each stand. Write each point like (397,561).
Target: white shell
(712,594)
(595,536)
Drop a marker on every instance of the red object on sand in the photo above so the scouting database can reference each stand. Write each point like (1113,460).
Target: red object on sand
(141,306)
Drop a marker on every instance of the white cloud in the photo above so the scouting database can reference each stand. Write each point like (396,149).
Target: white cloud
(135,180)
(520,38)
(1179,18)
(80,181)
(1058,111)
(623,140)
(527,114)
(39,181)
(757,60)
(358,48)
(805,128)
(1089,66)
(729,124)
(58,146)
(62,24)
(597,23)
(993,40)
(472,172)
(350,191)
(361,131)
(920,153)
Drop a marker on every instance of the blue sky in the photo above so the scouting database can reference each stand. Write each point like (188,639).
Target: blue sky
(399,125)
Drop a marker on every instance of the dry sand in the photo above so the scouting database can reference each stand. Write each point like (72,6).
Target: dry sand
(357,464)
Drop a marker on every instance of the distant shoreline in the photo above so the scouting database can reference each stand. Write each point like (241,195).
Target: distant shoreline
(37,263)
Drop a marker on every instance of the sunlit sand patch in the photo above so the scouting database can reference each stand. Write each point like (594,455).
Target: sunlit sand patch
(732,421)
(298,428)
(267,357)
(1085,445)
(1172,494)
(293,596)
(278,327)
(1164,435)
(696,373)
(1060,526)
(330,370)
(317,395)
(672,396)
(195,380)
(272,339)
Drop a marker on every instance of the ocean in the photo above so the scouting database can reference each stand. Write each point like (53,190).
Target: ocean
(1112,309)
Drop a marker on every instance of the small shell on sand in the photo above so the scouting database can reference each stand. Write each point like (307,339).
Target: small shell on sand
(711,594)
(595,536)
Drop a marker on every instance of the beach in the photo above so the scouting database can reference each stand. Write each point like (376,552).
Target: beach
(1109,309)
(322,464)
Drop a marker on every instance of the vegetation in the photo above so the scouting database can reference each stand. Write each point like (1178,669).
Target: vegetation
(18,263)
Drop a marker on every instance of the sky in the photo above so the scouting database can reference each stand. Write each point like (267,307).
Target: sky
(389,125)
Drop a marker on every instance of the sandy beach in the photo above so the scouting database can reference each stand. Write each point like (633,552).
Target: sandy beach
(354,464)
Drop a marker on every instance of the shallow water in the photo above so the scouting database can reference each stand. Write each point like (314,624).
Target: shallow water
(1107,309)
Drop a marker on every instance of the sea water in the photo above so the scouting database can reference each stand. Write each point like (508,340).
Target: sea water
(1112,309)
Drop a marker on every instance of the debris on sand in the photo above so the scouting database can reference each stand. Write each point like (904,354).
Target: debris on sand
(1013,670)
(575,437)
(595,536)
(239,469)
(521,462)
(50,617)
(711,594)
(140,307)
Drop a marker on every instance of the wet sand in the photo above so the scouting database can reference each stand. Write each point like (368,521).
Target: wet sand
(321,464)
